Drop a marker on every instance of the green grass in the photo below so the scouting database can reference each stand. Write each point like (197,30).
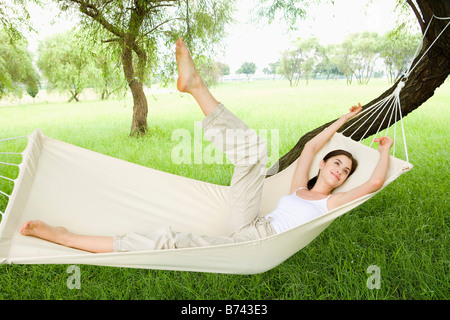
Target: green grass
(403,230)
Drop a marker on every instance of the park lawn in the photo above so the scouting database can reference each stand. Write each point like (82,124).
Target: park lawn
(403,230)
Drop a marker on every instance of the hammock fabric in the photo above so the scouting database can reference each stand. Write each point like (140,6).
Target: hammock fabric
(90,193)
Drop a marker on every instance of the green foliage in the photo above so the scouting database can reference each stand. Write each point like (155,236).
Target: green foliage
(145,32)
(272,68)
(224,68)
(328,65)
(397,48)
(355,56)
(287,10)
(32,90)
(290,66)
(301,60)
(340,58)
(247,68)
(68,64)
(110,78)
(208,69)
(363,49)
(14,18)
(16,67)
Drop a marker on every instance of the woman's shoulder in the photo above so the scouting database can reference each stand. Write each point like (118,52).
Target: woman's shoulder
(334,200)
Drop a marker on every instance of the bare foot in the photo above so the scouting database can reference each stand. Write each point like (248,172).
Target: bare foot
(188,78)
(39,229)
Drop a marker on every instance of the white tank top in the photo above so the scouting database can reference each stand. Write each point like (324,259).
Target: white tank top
(292,211)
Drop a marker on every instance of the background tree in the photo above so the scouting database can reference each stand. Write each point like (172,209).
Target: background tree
(16,67)
(208,69)
(397,49)
(247,68)
(300,60)
(14,18)
(365,50)
(67,63)
(224,68)
(344,60)
(145,30)
(328,65)
(289,66)
(110,79)
(310,52)
(272,69)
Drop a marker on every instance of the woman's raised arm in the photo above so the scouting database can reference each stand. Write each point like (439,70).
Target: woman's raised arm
(375,181)
(300,178)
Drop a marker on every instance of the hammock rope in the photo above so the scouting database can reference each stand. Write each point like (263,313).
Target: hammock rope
(10,164)
(410,69)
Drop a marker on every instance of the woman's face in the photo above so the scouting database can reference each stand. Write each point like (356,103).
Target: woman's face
(335,170)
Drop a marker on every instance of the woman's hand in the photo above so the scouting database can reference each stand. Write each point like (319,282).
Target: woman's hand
(385,143)
(354,110)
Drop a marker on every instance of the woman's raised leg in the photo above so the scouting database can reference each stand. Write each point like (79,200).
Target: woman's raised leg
(243,147)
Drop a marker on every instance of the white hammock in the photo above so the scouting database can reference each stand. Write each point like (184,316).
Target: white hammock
(90,193)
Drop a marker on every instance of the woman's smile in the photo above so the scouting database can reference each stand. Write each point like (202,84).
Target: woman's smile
(336,176)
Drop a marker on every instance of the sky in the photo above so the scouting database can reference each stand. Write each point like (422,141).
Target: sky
(330,23)
(250,42)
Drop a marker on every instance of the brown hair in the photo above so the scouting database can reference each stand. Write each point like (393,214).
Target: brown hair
(334,153)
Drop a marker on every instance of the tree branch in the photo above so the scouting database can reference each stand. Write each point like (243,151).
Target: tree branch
(92,11)
(418,16)
(155,28)
(110,40)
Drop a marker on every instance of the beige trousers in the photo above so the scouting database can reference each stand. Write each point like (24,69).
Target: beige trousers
(248,153)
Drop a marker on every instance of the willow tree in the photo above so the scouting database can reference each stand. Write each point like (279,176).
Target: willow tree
(429,73)
(14,18)
(141,29)
(16,67)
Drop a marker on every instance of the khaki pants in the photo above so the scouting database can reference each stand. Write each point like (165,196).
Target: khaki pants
(248,152)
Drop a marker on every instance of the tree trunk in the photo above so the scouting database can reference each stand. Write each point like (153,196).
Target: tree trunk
(140,109)
(74,96)
(140,106)
(428,75)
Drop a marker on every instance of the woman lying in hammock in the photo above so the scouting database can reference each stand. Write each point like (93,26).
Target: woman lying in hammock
(248,153)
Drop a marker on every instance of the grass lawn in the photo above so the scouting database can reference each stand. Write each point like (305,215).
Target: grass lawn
(403,230)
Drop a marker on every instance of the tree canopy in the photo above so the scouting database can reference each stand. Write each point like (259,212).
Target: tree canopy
(16,67)
(71,62)
(14,18)
(67,63)
(247,68)
(397,50)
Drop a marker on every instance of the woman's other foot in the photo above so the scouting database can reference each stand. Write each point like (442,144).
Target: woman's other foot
(39,229)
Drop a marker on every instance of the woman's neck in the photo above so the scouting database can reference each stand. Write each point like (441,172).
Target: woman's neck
(321,188)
